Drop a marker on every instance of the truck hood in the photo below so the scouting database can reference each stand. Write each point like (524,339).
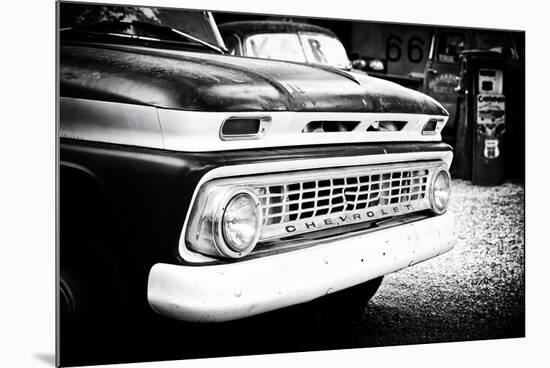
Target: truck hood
(195,81)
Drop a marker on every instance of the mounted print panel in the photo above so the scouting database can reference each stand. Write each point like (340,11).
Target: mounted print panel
(240,184)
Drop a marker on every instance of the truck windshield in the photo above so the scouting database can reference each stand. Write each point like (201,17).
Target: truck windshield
(311,48)
(198,24)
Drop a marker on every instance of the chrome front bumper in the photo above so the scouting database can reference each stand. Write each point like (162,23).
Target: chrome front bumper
(216,293)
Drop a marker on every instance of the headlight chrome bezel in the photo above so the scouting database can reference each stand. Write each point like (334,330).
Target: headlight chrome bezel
(220,241)
(435,175)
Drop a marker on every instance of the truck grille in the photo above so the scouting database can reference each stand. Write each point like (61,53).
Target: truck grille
(328,198)
(306,199)
(313,203)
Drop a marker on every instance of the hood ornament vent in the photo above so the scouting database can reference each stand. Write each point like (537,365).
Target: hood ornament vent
(386,126)
(330,126)
(348,126)
(242,128)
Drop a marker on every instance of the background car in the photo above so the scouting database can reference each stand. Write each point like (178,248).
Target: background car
(289,41)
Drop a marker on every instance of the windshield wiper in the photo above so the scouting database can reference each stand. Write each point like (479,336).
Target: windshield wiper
(113,28)
(198,40)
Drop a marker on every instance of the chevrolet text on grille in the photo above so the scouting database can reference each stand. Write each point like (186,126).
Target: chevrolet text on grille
(351,218)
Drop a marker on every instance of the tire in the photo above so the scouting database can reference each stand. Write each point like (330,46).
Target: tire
(91,304)
(89,320)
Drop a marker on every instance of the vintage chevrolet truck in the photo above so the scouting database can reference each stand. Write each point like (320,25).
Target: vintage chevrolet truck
(208,187)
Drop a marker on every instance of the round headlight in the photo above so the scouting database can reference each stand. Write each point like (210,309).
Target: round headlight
(440,191)
(241,224)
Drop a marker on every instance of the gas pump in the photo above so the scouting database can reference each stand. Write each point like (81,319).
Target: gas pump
(482,117)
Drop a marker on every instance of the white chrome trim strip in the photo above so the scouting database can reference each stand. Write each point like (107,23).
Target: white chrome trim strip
(197,131)
(216,293)
(109,122)
(183,132)
(285,166)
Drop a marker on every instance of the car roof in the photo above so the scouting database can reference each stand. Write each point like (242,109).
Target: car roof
(245,28)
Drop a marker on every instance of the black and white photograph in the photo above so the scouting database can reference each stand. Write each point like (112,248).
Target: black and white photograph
(234,183)
(204,184)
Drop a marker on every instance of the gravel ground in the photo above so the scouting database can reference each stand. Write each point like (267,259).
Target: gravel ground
(473,292)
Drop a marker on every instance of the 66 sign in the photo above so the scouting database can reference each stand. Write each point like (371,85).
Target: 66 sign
(414,49)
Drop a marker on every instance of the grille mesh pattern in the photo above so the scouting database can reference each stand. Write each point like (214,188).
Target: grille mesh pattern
(288,202)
